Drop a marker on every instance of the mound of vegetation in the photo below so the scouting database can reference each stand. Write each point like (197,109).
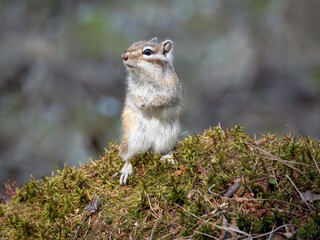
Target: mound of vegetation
(221,184)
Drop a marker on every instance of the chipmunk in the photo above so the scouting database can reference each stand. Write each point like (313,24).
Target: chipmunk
(150,117)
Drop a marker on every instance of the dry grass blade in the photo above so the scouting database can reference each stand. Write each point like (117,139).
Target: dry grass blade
(154,226)
(315,162)
(214,225)
(274,177)
(303,199)
(273,231)
(239,199)
(273,157)
(264,234)
(152,207)
(163,237)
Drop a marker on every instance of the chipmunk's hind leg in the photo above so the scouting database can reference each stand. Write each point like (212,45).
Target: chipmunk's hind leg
(138,143)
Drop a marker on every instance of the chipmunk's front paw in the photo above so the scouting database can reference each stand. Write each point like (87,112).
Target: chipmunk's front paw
(126,171)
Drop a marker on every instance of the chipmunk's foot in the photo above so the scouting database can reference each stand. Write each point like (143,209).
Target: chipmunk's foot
(126,171)
(168,157)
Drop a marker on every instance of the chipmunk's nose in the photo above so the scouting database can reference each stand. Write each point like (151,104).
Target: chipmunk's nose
(125,56)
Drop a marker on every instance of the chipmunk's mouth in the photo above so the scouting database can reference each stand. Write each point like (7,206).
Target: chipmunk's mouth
(130,65)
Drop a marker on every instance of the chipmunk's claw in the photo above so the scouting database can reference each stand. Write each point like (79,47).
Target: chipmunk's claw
(124,178)
(126,171)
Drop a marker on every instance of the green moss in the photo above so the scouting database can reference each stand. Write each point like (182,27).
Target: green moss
(311,230)
(205,232)
(244,222)
(173,200)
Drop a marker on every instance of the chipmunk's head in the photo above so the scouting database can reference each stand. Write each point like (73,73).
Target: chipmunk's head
(148,58)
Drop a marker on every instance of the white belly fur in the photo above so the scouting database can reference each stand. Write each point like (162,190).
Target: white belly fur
(156,131)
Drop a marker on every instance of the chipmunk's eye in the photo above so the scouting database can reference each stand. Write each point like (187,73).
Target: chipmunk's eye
(147,52)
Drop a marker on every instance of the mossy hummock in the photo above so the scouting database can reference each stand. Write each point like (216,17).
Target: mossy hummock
(181,198)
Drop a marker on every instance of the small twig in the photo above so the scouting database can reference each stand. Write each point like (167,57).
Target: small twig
(87,228)
(154,226)
(89,210)
(77,233)
(265,234)
(303,199)
(165,236)
(112,235)
(270,236)
(152,208)
(233,189)
(274,230)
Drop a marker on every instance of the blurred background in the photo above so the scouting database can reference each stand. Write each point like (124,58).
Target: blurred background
(62,82)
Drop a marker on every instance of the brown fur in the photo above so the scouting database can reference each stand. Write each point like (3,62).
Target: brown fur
(155,61)
(136,49)
(127,123)
(153,103)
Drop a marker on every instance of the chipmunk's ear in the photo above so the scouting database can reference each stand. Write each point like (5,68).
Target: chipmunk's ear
(166,47)
(154,40)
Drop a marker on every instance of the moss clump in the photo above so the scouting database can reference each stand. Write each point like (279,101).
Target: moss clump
(181,199)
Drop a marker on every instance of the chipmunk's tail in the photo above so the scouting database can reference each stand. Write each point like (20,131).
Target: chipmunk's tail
(183,135)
